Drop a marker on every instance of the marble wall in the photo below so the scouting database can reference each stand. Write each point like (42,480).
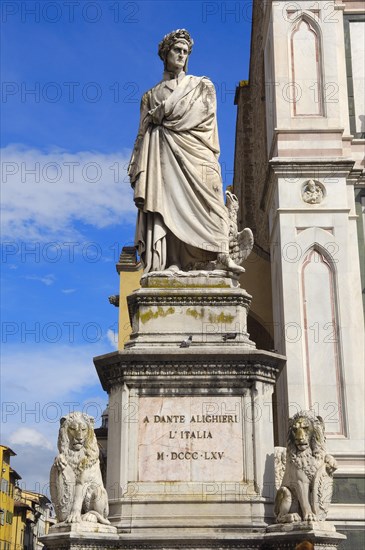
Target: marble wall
(312,88)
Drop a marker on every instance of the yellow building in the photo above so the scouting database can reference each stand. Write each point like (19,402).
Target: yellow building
(9,477)
(25,516)
(130,273)
(33,516)
(19,520)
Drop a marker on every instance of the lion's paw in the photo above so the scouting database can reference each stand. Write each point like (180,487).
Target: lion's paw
(90,517)
(74,517)
(60,462)
(331,464)
(289,518)
(310,517)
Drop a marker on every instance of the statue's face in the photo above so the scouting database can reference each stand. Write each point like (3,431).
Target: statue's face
(301,431)
(77,434)
(177,56)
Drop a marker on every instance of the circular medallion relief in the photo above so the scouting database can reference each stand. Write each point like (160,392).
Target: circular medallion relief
(313,192)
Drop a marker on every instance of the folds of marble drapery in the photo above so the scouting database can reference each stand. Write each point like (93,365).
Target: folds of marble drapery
(176,176)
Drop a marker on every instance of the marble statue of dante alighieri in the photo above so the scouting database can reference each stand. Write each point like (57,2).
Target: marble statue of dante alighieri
(174,169)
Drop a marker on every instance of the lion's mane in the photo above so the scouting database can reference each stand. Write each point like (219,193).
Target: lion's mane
(311,458)
(89,454)
(304,497)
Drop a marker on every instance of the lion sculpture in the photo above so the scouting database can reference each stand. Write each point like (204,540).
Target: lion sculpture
(306,472)
(76,485)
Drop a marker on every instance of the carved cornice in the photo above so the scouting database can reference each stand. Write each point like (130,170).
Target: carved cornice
(189,300)
(300,167)
(189,544)
(252,539)
(193,545)
(128,260)
(288,545)
(287,168)
(78,542)
(241,370)
(83,545)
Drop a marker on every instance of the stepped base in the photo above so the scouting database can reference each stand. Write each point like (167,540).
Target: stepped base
(81,536)
(285,536)
(321,534)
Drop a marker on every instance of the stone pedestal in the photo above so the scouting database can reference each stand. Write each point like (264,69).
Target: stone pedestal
(190,443)
(190,435)
(277,537)
(285,536)
(170,307)
(81,536)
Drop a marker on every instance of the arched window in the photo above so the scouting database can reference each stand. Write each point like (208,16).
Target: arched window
(322,335)
(306,69)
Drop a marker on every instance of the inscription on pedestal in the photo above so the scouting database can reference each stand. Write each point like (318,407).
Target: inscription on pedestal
(190,439)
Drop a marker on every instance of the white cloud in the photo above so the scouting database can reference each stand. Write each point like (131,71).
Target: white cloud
(46,280)
(30,436)
(36,451)
(48,373)
(41,384)
(45,193)
(50,381)
(112,338)
(68,290)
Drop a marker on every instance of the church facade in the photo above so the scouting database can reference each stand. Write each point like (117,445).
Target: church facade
(299,176)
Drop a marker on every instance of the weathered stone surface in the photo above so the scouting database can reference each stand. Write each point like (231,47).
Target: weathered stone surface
(203,307)
(218,278)
(182,220)
(313,233)
(190,439)
(307,472)
(196,494)
(81,536)
(321,534)
(244,539)
(76,485)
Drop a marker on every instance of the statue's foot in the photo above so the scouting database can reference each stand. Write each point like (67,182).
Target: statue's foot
(232,266)
(229,264)
(174,268)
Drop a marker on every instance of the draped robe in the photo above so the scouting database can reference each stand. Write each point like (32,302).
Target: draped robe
(176,176)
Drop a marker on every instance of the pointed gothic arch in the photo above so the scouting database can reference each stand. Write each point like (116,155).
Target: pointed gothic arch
(322,338)
(306,66)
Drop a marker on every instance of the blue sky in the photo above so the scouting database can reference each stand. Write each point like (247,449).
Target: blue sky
(72,77)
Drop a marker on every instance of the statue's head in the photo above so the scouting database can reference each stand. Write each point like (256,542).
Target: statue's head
(179,40)
(306,431)
(76,432)
(311,186)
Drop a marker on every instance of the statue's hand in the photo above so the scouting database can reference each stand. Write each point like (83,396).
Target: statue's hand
(157,113)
